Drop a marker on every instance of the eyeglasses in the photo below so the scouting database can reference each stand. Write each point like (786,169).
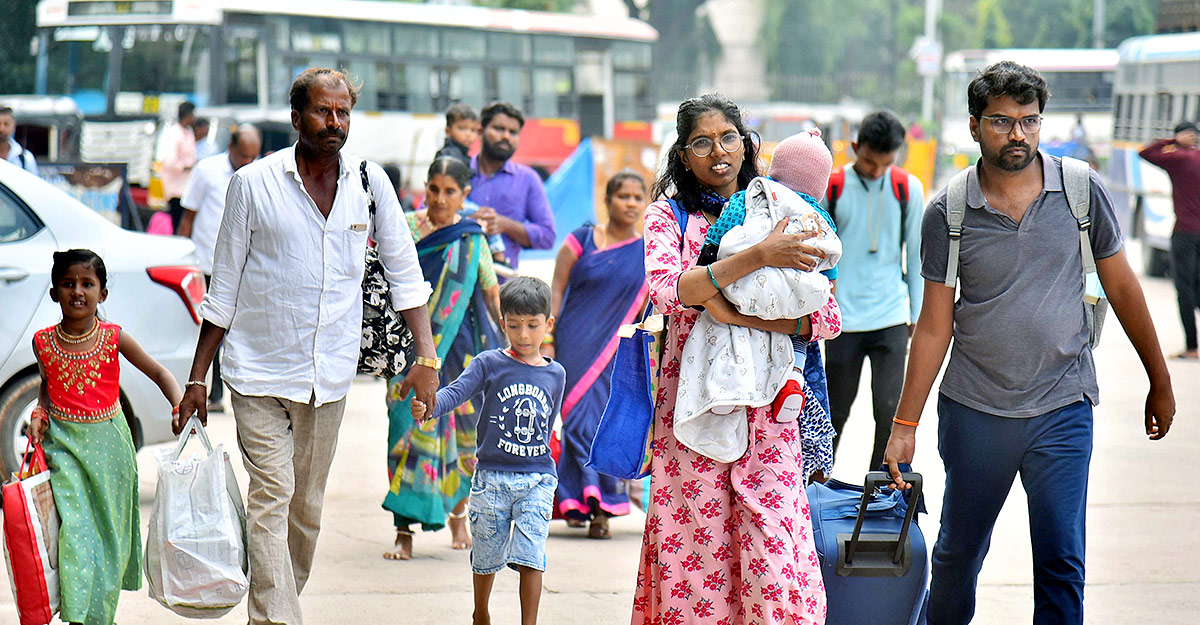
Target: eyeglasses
(1003,125)
(703,146)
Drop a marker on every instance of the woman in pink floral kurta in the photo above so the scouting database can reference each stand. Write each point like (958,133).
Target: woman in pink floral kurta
(724,544)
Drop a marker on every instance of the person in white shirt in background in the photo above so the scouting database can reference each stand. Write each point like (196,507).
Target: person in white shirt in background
(178,156)
(203,204)
(287,299)
(204,146)
(10,150)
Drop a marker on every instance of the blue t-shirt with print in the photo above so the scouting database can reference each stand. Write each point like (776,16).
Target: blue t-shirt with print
(520,404)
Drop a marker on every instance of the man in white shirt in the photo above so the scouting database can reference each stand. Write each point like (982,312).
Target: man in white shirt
(203,204)
(10,150)
(286,297)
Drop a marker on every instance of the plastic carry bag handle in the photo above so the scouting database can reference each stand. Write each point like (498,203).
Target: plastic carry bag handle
(873,480)
(193,426)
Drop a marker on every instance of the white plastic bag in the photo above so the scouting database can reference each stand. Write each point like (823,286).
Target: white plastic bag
(195,559)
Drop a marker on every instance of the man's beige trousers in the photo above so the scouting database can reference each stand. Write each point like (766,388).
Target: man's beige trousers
(287,448)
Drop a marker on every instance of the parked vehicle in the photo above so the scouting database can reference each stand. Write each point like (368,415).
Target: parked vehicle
(1158,86)
(155,290)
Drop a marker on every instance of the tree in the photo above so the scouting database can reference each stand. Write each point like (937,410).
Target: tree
(17,29)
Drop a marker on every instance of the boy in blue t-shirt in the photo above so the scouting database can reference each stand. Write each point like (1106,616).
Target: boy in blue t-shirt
(522,393)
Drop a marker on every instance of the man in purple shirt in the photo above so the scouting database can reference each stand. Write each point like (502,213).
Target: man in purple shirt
(511,197)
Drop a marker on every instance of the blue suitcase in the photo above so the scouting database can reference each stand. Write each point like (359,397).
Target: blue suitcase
(874,559)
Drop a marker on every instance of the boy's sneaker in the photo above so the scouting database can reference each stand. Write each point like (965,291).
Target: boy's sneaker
(790,401)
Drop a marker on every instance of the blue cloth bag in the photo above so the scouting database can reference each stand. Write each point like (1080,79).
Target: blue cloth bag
(622,445)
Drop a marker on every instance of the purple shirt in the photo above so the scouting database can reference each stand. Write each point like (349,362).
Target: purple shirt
(516,192)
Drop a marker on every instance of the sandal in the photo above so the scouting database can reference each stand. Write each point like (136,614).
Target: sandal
(403,548)
(599,528)
(576,523)
(458,529)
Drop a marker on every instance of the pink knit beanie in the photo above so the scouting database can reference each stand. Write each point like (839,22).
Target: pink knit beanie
(802,163)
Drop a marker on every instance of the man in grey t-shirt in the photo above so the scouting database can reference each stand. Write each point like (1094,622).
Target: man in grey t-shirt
(1018,392)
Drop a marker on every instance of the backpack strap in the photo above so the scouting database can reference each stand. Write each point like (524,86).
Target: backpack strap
(1077,182)
(837,183)
(900,190)
(956,210)
(681,217)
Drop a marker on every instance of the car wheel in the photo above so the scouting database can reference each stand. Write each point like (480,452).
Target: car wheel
(1156,262)
(16,406)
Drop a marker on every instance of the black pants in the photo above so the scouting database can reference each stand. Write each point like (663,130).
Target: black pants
(216,390)
(175,210)
(1185,266)
(843,366)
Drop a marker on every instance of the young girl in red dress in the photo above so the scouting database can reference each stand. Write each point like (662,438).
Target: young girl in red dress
(88,445)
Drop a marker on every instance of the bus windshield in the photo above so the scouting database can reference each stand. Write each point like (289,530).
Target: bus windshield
(156,59)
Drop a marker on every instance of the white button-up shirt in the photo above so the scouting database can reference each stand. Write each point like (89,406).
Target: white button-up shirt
(287,282)
(205,196)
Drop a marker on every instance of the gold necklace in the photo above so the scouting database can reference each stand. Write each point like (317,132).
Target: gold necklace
(76,339)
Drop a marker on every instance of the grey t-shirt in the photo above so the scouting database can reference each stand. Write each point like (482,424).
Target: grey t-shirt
(1020,333)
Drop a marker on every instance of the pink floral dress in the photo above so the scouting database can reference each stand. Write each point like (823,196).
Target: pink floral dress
(724,544)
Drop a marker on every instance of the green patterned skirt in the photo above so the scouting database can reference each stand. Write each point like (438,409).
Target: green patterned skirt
(430,464)
(93,471)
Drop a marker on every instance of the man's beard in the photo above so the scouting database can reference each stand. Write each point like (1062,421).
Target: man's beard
(499,151)
(1004,160)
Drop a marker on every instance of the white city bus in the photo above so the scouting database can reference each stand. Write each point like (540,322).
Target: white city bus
(132,62)
(1080,82)
(1157,86)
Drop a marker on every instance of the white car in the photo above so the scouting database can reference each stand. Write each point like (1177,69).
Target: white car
(154,291)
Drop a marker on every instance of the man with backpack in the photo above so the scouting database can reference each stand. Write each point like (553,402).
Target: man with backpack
(1018,234)
(10,150)
(869,201)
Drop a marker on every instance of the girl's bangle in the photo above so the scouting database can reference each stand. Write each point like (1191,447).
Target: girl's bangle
(911,424)
(191,383)
(711,277)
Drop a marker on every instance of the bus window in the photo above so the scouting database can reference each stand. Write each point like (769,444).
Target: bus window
(549,50)
(241,65)
(167,59)
(508,48)
(509,84)
(552,92)
(367,38)
(364,72)
(315,35)
(415,40)
(78,64)
(631,55)
(631,91)
(463,45)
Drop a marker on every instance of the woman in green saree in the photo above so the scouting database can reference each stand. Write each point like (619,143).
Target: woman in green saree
(430,464)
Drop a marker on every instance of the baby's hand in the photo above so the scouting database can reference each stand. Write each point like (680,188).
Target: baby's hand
(418,409)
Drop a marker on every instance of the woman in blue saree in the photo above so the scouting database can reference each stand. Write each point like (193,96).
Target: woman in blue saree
(599,284)
(430,464)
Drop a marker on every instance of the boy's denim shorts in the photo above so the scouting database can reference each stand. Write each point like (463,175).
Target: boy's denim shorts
(510,518)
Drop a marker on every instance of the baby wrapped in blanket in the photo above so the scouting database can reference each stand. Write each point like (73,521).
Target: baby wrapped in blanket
(726,369)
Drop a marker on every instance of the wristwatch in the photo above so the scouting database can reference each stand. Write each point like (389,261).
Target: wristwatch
(432,363)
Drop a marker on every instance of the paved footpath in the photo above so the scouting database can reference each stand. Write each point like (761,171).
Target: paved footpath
(1144,511)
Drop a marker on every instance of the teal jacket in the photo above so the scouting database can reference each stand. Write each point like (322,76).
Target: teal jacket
(878,289)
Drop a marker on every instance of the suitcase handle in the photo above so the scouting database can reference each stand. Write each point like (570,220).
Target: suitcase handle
(873,480)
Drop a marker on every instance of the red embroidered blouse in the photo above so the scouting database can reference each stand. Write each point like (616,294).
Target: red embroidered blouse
(84,386)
